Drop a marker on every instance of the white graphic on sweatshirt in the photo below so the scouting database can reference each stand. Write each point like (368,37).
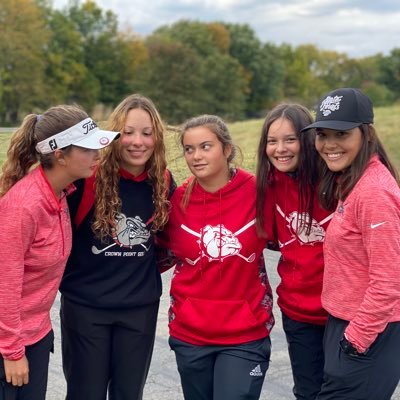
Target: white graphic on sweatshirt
(218,243)
(127,233)
(330,104)
(297,224)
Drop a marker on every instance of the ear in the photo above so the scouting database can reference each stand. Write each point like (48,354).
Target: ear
(59,156)
(228,150)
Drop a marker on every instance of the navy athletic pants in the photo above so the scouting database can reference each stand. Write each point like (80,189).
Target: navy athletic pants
(234,372)
(373,376)
(106,350)
(306,352)
(38,356)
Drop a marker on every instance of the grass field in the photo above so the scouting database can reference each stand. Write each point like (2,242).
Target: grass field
(246,135)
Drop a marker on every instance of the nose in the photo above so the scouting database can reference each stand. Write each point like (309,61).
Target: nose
(197,154)
(281,147)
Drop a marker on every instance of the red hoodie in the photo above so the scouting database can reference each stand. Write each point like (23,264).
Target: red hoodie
(220,293)
(301,266)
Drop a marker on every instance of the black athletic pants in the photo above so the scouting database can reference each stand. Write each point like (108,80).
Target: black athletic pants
(38,356)
(306,352)
(373,376)
(106,350)
(222,372)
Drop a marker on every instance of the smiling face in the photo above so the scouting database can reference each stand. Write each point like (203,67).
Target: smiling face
(283,145)
(338,149)
(137,141)
(206,157)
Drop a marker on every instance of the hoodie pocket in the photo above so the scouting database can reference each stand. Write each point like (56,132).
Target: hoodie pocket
(215,319)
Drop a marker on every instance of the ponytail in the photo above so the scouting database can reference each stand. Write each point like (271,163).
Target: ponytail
(21,154)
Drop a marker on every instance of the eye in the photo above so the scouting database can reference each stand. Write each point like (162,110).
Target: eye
(206,146)
(291,139)
(147,133)
(271,141)
(188,149)
(320,134)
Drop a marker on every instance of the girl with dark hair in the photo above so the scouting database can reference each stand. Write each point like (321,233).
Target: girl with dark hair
(36,237)
(221,303)
(112,286)
(288,213)
(361,289)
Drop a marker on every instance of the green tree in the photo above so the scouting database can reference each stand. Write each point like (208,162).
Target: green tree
(389,67)
(173,77)
(24,37)
(262,67)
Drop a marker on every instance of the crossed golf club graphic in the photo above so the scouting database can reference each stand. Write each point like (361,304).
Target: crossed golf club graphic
(218,242)
(298,228)
(128,232)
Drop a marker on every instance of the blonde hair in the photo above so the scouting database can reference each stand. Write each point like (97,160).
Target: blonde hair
(107,200)
(21,153)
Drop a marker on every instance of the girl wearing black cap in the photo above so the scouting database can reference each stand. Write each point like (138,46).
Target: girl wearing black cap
(361,289)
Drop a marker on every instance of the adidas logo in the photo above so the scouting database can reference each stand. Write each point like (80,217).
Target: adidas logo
(256,371)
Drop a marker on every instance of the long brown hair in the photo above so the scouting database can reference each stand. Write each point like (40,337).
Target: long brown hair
(107,200)
(307,174)
(21,153)
(338,185)
(216,125)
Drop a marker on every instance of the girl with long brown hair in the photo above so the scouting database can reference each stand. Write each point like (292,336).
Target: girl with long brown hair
(289,214)
(112,286)
(361,288)
(36,237)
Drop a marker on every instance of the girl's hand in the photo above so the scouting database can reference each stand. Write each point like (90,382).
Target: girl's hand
(17,372)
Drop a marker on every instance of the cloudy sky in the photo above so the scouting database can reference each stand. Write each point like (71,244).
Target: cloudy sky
(356,27)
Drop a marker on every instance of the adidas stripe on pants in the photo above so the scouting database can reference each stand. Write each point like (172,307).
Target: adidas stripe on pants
(222,372)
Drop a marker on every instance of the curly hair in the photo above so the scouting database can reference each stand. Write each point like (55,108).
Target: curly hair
(107,199)
(21,153)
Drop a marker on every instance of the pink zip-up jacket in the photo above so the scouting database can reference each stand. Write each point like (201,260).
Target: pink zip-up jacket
(35,237)
(362,257)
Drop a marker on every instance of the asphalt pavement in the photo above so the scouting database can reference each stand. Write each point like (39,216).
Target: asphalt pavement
(163,380)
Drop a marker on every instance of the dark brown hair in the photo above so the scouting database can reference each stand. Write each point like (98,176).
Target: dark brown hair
(338,185)
(307,172)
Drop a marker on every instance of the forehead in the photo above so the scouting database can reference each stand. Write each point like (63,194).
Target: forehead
(281,126)
(138,116)
(199,134)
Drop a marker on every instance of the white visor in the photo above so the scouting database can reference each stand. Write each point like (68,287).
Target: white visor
(84,134)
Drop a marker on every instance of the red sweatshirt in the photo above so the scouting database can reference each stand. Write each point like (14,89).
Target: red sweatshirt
(220,292)
(301,266)
(362,257)
(35,241)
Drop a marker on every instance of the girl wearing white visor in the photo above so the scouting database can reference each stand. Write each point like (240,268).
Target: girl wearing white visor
(36,237)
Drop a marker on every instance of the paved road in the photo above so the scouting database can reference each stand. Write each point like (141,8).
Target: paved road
(163,380)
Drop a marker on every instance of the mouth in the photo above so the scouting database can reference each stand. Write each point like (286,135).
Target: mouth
(199,166)
(333,156)
(136,153)
(284,159)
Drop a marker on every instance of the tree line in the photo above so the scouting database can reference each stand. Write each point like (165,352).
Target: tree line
(80,55)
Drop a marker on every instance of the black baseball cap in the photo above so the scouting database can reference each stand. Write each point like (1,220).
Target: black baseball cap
(343,109)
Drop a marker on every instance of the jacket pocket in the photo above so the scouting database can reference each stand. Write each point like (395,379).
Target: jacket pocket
(215,319)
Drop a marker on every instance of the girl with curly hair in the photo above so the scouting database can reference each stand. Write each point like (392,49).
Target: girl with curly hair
(112,286)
